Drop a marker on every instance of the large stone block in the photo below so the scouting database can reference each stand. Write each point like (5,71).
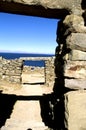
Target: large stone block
(50,3)
(77,55)
(46,8)
(75,110)
(75,74)
(76,41)
(72,20)
(75,83)
(75,69)
(74,24)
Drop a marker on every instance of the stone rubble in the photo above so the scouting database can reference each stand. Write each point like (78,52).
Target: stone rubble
(11,70)
(70,57)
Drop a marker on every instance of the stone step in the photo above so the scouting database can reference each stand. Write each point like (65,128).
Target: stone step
(23,128)
(25,117)
(18,125)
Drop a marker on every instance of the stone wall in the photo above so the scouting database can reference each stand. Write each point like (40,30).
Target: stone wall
(70,61)
(75,109)
(49,68)
(11,70)
(49,72)
(70,69)
(33,69)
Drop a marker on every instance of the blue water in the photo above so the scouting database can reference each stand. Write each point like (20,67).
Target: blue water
(29,63)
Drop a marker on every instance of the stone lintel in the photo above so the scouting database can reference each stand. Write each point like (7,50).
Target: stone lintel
(31,10)
(42,8)
(37,58)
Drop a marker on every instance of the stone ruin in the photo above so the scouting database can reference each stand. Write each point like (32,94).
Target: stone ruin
(70,59)
(49,76)
(11,70)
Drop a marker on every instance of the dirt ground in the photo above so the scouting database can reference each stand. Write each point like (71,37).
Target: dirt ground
(26,114)
(32,83)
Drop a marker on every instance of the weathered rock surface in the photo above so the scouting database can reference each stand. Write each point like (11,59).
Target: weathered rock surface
(76,55)
(71,69)
(42,7)
(75,109)
(77,41)
(75,84)
(49,75)
(70,61)
(73,19)
(11,70)
(74,24)
(75,69)
(75,74)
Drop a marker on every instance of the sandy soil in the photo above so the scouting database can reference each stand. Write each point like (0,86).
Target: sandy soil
(33,78)
(32,84)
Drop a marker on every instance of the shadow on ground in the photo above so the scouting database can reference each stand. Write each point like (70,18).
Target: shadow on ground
(6,106)
(50,109)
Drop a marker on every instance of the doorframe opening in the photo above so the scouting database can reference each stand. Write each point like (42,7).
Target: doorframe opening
(34,72)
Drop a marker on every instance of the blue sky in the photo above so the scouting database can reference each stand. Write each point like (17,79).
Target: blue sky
(19,33)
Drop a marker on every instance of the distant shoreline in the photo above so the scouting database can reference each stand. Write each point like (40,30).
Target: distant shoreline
(12,56)
(28,53)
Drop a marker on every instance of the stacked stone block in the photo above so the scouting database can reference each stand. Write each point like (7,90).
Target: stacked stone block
(75,110)
(49,68)
(71,57)
(70,61)
(49,72)
(11,70)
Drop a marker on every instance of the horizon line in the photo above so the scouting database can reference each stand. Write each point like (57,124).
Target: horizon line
(26,52)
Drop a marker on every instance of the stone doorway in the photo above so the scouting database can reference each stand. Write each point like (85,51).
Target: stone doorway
(33,74)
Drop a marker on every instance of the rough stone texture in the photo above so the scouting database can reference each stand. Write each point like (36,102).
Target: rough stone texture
(71,24)
(77,41)
(75,109)
(42,7)
(49,72)
(48,68)
(70,69)
(71,20)
(11,70)
(70,61)
(77,55)
(75,84)
(75,69)
(74,23)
